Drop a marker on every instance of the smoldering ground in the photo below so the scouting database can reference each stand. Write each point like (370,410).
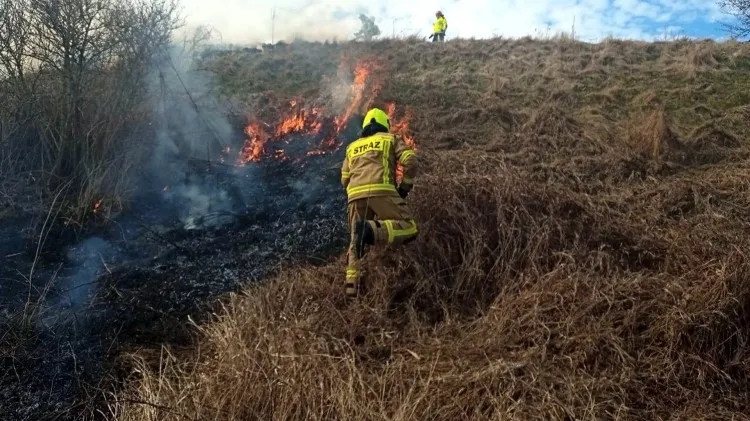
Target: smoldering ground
(195,227)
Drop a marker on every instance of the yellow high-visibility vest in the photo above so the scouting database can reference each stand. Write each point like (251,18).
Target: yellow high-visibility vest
(440,25)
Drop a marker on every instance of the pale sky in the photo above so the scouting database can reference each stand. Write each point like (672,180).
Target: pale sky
(249,21)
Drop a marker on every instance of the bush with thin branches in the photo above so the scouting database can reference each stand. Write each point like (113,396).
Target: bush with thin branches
(73,76)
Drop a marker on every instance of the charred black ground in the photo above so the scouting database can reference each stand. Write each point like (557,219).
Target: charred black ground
(200,230)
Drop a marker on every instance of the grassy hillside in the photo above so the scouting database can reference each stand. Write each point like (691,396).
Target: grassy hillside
(582,254)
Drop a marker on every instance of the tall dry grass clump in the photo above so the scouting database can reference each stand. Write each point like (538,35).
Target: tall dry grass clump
(653,136)
(691,58)
(519,300)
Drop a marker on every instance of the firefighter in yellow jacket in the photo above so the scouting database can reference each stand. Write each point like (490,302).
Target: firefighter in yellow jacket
(378,213)
(439,27)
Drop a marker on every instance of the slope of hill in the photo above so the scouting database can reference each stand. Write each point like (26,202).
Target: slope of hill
(583,245)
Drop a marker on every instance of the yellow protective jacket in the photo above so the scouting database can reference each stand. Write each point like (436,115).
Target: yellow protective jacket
(440,25)
(369,168)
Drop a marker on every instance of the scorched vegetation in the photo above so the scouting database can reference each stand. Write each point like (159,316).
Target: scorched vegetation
(583,249)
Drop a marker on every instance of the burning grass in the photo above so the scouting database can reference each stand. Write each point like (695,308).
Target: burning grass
(582,251)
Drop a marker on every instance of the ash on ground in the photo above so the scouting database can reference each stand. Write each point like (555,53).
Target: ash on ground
(137,283)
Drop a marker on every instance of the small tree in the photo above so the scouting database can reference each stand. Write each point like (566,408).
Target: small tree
(740,9)
(369,29)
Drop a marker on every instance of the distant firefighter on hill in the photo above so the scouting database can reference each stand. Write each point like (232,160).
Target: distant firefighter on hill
(439,27)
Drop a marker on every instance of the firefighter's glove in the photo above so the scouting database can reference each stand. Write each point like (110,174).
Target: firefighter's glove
(403,190)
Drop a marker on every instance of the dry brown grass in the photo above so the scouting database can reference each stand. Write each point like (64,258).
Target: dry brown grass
(518,301)
(582,255)
(653,136)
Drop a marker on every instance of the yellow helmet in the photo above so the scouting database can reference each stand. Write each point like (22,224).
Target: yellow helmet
(378,116)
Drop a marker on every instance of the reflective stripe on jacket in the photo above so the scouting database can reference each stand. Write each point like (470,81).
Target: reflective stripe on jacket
(369,168)
(440,25)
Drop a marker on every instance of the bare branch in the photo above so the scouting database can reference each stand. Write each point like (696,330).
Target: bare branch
(740,10)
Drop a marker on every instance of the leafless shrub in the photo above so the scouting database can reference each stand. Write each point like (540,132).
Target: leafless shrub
(74,75)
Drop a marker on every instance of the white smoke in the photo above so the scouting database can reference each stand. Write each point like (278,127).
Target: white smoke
(340,90)
(75,286)
(250,21)
(192,129)
(253,22)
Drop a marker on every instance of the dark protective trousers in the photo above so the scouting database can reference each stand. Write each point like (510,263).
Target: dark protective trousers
(391,220)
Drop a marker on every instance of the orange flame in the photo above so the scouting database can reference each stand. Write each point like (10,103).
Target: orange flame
(361,75)
(252,151)
(400,127)
(294,123)
(98,205)
(300,122)
(309,121)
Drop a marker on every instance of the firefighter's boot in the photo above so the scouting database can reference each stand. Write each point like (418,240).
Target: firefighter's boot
(352,283)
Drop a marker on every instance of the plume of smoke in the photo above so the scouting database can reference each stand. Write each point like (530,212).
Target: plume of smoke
(77,282)
(255,22)
(190,126)
(191,129)
(88,259)
(199,206)
(340,89)
(191,118)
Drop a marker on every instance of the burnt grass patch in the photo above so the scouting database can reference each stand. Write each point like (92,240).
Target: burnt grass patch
(135,282)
